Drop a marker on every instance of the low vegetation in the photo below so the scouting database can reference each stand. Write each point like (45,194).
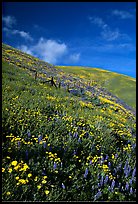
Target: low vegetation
(60,145)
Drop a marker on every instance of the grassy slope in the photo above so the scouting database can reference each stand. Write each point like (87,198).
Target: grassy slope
(67,124)
(122,86)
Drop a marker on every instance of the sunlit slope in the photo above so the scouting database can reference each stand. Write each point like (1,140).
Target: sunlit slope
(122,86)
(60,144)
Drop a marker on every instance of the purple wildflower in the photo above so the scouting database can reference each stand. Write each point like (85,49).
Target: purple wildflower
(106,158)
(74,153)
(134,172)
(63,186)
(127,186)
(86,173)
(97,195)
(109,164)
(19,143)
(131,190)
(79,140)
(55,165)
(98,185)
(90,162)
(106,179)
(113,184)
(101,181)
(29,134)
(75,134)
(40,138)
(116,155)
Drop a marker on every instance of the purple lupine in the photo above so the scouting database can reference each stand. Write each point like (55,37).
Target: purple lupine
(131,190)
(106,179)
(101,181)
(133,146)
(129,169)
(29,134)
(44,172)
(74,153)
(116,155)
(113,184)
(54,166)
(126,164)
(63,186)
(90,162)
(97,195)
(44,144)
(86,173)
(79,140)
(75,134)
(99,185)
(40,138)
(106,158)
(134,172)
(127,186)
(109,164)
(19,144)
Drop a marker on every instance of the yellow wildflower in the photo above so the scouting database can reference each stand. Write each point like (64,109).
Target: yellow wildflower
(35,178)
(39,186)
(10,170)
(14,163)
(29,175)
(46,192)
(17,177)
(8,193)
(44,181)
(3,169)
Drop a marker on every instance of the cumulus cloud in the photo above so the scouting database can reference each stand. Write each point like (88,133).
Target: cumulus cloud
(75,57)
(25,49)
(122,14)
(9,21)
(48,50)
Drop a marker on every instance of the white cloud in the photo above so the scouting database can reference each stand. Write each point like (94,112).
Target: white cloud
(25,49)
(9,21)
(107,33)
(110,35)
(23,34)
(48,50)
(98,21)
(122,14)
(75,57)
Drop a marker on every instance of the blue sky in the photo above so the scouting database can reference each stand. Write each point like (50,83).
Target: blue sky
(92,34)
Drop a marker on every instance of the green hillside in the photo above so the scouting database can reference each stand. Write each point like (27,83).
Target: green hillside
(120,85)
(73,142)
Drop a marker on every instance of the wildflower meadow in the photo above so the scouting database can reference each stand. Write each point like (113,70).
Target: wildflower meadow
(59,144)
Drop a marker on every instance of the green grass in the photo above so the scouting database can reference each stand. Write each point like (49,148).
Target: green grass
(122,86)
(57,146)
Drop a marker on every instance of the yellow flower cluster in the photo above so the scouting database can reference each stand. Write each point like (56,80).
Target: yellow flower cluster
(53,157)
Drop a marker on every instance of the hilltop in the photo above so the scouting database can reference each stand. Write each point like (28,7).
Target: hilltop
(76,142)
